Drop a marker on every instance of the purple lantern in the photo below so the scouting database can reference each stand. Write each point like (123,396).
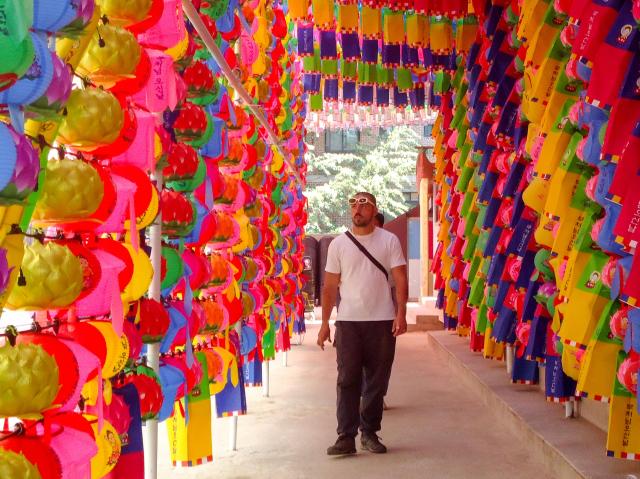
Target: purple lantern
(311,82)
(350,46)
(409,56)
(417,97)
(305,39)
(390,55)
(427,58)
(83,13)
(382,96)
(328,44)
(331,89)
(57,94)
(349,91)
(400,99)
(365,94)
(369,50)
(25,174)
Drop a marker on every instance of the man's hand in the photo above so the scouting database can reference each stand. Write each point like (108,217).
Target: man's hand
(324,335)
(399,325)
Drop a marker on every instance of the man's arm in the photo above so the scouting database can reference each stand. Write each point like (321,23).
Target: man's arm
(329,294)
(402,294)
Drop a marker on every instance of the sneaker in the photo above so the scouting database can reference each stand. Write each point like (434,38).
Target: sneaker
(371,442)
(344,445)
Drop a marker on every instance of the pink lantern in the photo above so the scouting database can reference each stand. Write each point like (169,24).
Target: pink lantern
(26,166)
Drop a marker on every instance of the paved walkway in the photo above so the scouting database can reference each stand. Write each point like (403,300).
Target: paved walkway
(434,429)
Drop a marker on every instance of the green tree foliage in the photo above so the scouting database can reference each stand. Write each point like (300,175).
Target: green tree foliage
(382,170)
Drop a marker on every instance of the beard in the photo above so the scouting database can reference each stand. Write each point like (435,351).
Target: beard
(361,221)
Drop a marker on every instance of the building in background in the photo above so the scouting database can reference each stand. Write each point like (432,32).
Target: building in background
(353,141)
(407,225)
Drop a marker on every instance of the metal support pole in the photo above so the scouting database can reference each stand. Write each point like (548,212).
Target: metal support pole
(151,425)
(265,378)
(568,409)
(285,358)
(233,431)
(153,350)
(510,356)
(572,409)
(233,434)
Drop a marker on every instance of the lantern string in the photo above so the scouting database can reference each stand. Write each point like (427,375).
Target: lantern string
(11,332)
(18,430)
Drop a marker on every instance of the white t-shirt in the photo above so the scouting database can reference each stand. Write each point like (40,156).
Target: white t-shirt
(365,293)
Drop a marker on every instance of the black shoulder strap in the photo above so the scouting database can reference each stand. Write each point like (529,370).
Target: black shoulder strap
(367,254)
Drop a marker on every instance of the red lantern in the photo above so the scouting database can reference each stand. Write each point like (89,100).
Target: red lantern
(191,123)
(183,162)
(178,213)
(149,391)
(154,320)
(199,79)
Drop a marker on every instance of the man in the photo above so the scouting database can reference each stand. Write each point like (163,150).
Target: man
(366,326)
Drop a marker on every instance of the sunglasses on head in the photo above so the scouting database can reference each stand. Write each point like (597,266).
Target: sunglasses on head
(360,201)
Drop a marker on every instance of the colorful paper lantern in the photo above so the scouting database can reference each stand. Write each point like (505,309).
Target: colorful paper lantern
(30,380)
(16,466)
(22,166)
(125,13)
(72,190)
(94,118)
(53,278)
(178,213)
(147,384)
(37,452)
(182,162)
(113,54)
(154,320)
